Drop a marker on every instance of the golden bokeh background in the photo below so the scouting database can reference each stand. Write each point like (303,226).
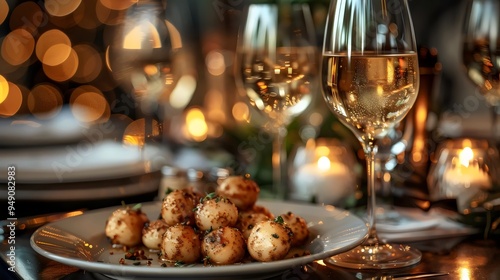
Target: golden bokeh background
(54,53)
(49,57)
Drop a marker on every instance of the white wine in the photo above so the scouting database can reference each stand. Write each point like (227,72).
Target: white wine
(279,87)
(370,94)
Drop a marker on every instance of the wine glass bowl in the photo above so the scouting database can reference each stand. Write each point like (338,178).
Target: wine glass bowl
(481,53)
(147,58)
(370,93)
(370,79)
(276,62)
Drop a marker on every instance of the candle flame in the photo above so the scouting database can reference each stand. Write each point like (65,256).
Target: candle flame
(466,155)
(323,163)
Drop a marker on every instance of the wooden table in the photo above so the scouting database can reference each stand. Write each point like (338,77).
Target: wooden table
(470,258)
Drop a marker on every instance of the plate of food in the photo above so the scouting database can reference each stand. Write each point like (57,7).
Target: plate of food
(191,236)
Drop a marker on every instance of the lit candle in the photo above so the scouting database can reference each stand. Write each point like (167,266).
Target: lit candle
(464,174)
(329,181)
(464,180)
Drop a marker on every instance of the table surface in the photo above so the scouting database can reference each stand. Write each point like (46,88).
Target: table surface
(464,258)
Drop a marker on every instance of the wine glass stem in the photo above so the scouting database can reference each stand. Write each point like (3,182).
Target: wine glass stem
(279,164)
(370,152)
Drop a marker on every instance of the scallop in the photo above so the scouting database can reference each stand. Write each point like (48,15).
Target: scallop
(225,245)
(177,207)
(298,226)
(247,221)
(242,191)
(181,243)
(152,234)
(269,241)
(215,212)
(125,225)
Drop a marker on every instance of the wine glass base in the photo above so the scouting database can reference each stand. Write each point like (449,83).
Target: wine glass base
(380,256)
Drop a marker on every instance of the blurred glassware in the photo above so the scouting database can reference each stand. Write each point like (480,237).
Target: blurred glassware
(203,181)
(323,171)
(467,170)
(276,69)
(173,178)
(390,148)
(404,154)
(481,49)
(149,60)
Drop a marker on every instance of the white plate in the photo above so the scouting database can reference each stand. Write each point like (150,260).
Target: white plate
(88,191)
(84,161)
(31,131)
(80,242)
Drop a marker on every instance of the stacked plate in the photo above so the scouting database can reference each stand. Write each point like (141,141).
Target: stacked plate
(61,160)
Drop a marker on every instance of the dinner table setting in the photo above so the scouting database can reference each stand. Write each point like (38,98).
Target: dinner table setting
(249,139)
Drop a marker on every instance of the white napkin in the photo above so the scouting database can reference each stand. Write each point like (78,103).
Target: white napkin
(411,224)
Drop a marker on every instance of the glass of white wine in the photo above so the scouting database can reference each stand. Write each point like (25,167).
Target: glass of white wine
(276,69)
(370,80)
(481,54)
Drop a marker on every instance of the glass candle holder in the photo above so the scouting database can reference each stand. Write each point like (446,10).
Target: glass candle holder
(323,171)
(465,169)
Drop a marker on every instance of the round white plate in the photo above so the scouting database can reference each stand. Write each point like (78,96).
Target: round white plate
(84,161)
(31,131)
(89,191)
(80,242)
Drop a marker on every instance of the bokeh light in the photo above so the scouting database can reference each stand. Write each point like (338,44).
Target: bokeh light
(12,102)
(85,15)
(18,46)
(63,71)
(52,55)
(4,10)
(45,101)
(61,8)
(215,63)
(29,16)
(183,92)
(108,16)
(241,112)
(89,63)
(4,88)
(53,47)
(117,4)
(196,126)
(88,104)
(94,107)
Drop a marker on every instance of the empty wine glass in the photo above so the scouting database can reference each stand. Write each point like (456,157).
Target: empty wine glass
(149,60)
(370,79)
(481,53)
(276,69)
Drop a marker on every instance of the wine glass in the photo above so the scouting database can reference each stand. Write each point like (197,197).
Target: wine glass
(276,68)
(370,80)
(481,53)
(150,62)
